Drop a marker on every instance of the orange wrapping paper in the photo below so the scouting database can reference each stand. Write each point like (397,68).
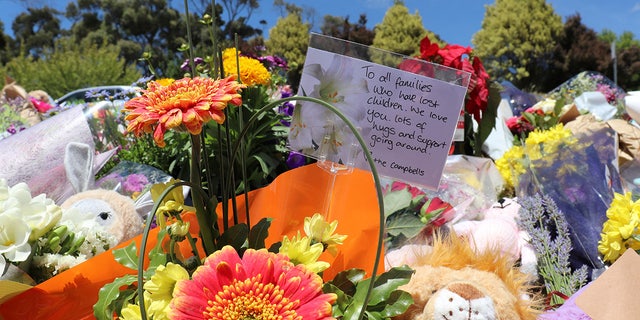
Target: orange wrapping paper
(292,196)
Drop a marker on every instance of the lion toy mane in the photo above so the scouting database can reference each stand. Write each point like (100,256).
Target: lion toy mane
(454,282)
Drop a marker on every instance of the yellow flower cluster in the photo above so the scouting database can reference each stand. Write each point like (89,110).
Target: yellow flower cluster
(620,231)
(158,293)
(538,145)
(320,236)
(252,71)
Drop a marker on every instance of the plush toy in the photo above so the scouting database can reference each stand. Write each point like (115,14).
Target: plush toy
(498,228)
(27,111)
(454,282)
(112,210)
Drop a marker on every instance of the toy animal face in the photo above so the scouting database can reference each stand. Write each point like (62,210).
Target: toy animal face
(98,210)
(460,301)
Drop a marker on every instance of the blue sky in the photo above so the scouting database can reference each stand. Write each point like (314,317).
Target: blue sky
(455,20)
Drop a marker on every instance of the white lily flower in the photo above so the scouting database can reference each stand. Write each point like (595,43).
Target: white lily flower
(14,238)
(312,124)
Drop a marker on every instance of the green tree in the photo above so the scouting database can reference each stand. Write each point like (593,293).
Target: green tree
(578,49)
(339,27)
(399,32)
(289,38)
(628,63)
(7,46)
(70,66)
(37,29)
(517,40)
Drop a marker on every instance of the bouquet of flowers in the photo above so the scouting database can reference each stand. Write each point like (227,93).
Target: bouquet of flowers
(40,238)
(578,173)
(209,258)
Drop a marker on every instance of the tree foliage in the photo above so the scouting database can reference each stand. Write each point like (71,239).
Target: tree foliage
(578,48)
(517,39)
(289,38)
(341,28)
(70,66)
(37,29)
(399,32)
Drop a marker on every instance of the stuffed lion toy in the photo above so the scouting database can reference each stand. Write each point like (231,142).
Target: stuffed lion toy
(454,282)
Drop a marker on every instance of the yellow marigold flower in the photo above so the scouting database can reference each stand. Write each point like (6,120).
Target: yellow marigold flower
(543,142)
(187,103)
(301,251)
(320,231)
(252,71)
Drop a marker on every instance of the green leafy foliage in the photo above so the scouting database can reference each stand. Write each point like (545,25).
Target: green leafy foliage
(259,233)
(110,296)
(70,66)
(515,48)
(399,32)
(385,299)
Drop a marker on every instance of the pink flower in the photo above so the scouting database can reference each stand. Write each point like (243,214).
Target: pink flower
(260,285)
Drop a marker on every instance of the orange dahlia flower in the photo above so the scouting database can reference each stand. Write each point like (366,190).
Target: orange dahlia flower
(186,103)
(260,285)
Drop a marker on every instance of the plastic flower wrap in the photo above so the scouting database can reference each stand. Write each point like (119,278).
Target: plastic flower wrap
(578,173)
(588,81)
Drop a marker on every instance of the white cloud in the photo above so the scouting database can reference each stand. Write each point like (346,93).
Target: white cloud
(636,7)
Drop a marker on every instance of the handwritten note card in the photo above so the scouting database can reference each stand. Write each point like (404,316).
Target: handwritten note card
(407,120)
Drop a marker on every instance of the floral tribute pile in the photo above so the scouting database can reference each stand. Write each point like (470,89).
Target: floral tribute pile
(562,202)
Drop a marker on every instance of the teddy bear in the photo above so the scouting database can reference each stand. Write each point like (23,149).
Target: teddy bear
(453,281)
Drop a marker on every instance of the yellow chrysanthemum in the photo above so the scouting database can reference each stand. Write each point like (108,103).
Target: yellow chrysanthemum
(252,71)
(159,289)
(301,251)
(535,150)
(544,142)
(321,231)
(510,165)
(621,227)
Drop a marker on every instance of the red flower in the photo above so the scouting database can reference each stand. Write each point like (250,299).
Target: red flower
(397,185)
(457,57)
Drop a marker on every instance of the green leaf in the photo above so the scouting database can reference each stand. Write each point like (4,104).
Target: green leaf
(397,303)
(388,282)
(235,236)
(342,302)
(346,280)
(354,309)
(488,121)
(127,256)
(396,200)
(407,224)
(108,296)
(259,233)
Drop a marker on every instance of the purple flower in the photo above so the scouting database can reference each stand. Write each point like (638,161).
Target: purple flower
(295,160)
(135,183)
(186,65)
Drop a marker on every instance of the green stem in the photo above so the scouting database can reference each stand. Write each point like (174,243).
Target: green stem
(204,220)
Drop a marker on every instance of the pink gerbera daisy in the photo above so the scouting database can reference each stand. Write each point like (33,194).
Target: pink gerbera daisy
(186,103)
(260,285)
